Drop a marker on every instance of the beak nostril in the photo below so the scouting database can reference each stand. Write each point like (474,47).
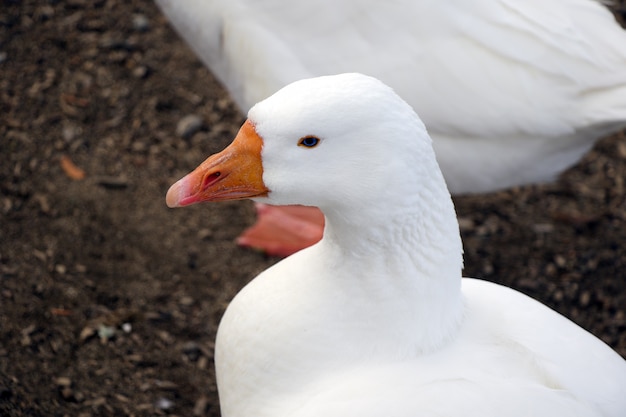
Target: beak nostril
(210,179)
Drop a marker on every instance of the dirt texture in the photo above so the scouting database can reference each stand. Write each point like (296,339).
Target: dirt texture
(109,301)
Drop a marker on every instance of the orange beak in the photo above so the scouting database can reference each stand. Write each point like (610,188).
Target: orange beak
(233,174)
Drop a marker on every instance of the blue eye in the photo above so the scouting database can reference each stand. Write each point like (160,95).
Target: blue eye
(309,141)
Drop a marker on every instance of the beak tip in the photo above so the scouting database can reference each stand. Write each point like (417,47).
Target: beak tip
(172,198)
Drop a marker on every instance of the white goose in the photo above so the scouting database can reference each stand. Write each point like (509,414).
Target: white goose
(375,319)
(512,91)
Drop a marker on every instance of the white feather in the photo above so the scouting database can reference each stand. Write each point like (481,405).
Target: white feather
(512,91)
(375,320)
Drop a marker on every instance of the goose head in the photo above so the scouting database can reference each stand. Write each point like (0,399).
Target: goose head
(350,146)
(343,143)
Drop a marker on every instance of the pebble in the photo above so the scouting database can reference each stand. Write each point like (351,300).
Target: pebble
(70,132)
(621,149)
(96,402)
(188,125)
(7,205)
(164,404)
(192,351)
(543,228)
(63,381)
(122,398)
(186,301)
(140,71)
(165,336)
(165,385)
(202,363)
(466,224)
(200,407)
(106,332)
(205,234)
(141,22)
(86,333)
(585,298)
(44,204)
(560,261)
(66,391)
(26,339)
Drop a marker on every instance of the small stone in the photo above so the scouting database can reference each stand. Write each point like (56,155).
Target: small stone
(29,330)
(560,261)
(79,397)
(188,125)
(70,132)
(140,71)
(44,203)
(543,228)
(585,297)
(203,362)
(140,22)
(164,404)
(106,332)
(122,398)
(139,146)
(3,56)
(204,234)
(67,393)
(63,381)
(44,12)
(186,301)
(7,205)
(87,333)
(558,296)
(97,402)
(144,407)
(466,224)
(166,385)
(200,407)
(621,148)
(165,336)
(192,351)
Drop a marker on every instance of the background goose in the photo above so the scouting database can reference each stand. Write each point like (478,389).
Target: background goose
(512,91)
(375,319)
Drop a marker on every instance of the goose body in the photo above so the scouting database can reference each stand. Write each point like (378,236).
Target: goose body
(376,319)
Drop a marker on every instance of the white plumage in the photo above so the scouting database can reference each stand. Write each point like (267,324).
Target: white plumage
(375,319)
(512,91)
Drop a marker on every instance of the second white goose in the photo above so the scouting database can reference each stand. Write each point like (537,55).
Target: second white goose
(512,91)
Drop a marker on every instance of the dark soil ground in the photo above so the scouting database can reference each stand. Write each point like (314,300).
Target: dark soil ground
(109,301)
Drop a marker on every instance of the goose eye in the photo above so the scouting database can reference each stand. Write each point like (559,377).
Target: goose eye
(309,141)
